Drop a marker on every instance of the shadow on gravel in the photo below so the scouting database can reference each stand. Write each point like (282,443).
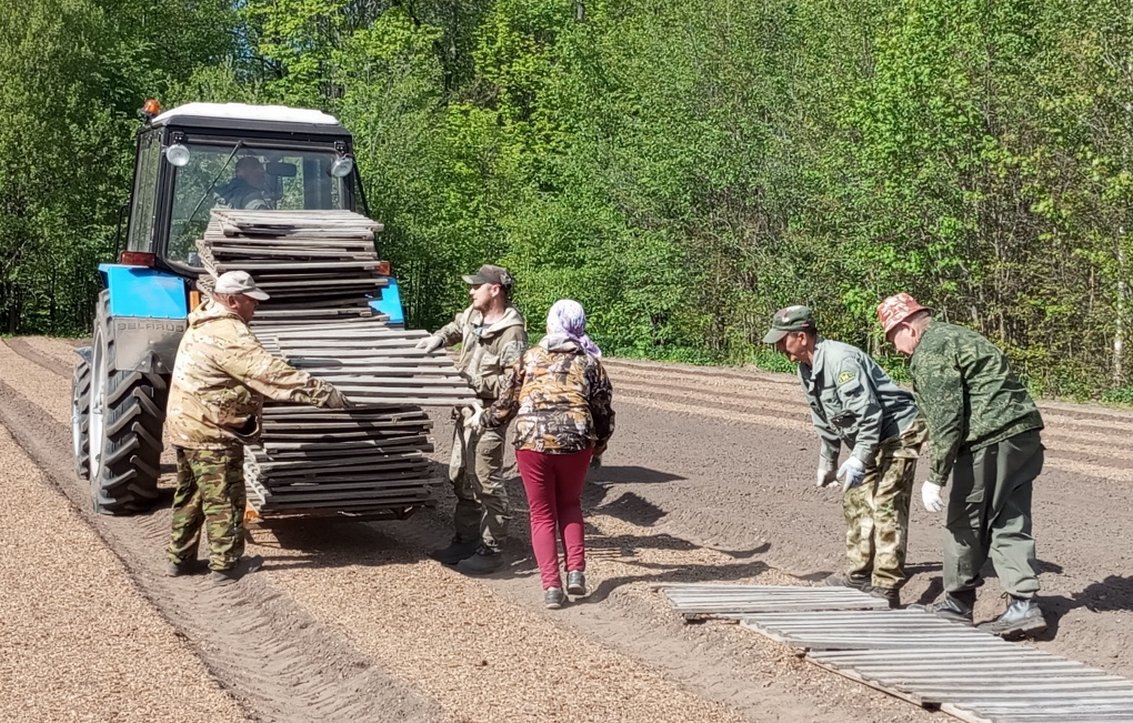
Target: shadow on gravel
(631,474)
(320,543)
(687,573)
(1113,594)
(627,507)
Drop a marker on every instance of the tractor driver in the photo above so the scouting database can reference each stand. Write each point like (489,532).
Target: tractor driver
(248,190)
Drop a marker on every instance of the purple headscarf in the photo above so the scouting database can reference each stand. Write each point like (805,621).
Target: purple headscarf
(567,321)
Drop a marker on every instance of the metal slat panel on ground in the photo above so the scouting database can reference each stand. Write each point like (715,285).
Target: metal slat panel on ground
(913,655)
(735,601)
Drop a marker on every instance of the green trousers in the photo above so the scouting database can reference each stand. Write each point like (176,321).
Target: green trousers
(210,492)
(483,510)
(989,515)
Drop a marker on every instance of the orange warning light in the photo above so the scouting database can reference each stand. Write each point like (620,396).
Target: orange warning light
(151,108)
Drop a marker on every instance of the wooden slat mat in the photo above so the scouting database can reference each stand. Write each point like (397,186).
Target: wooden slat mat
(736,601)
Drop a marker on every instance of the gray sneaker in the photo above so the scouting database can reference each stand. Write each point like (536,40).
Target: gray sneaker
(1021,618)
(576,582)
(553,598)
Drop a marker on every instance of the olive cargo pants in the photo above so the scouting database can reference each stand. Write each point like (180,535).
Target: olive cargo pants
(989,515)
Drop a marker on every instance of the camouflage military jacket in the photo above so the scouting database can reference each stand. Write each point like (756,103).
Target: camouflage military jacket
(968,394)
(220,378)
(853,400)
(487,351)
(560,398)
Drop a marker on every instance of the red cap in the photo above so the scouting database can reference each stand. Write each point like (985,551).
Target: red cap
(896,309)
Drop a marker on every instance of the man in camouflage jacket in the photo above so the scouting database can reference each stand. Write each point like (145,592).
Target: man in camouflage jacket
(854,402)
(492,335)
(984,429)
(220,378)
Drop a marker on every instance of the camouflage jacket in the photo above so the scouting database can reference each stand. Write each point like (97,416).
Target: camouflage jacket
(853,400)
(968,394)
(220,378)
(560,398)
(487,352)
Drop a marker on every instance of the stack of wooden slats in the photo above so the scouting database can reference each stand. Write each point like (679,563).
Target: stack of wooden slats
(320,268)
(306,260)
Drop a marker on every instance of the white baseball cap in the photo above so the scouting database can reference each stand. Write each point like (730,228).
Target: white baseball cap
(239,282)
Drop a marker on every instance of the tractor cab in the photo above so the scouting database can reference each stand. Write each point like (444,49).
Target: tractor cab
(201,156)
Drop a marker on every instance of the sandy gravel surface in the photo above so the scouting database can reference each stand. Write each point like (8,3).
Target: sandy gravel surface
(708,478)
(78,640)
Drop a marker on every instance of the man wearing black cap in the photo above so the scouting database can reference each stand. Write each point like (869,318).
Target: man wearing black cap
(493,335)
(853,401)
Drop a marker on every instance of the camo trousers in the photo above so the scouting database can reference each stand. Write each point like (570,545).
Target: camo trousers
(877,510)
(210,491)
(483,510)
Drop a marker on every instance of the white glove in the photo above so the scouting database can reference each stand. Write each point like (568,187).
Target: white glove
(852,472)
(930,496)
(473,416)
(824,476)
(430,343)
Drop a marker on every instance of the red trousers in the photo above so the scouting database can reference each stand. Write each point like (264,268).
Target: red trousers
(554,496)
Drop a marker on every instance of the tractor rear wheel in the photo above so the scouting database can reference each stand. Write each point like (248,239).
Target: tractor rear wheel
(127,411)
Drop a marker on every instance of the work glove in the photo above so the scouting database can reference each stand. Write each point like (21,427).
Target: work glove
(596,461)
(825,474)
(930,496)
(852,472)
(337,400)
(473,416)
(824,477)
(430,343)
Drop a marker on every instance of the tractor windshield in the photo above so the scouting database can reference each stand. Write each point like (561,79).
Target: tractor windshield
(251,178)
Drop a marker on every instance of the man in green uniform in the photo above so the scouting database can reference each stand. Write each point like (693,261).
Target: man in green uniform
(853,401)
(220,378)
(984,428)
(493,335)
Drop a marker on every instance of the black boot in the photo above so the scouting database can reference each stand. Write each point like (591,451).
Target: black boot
(1022,617)
(839,580)
(955,606)
(485,560)
(455,552)
(891,595)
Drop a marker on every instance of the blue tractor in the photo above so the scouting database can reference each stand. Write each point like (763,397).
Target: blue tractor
(189,160)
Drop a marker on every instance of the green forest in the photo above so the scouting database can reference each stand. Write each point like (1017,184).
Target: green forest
(683,169)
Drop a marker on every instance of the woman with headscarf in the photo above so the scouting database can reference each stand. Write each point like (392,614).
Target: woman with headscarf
(560,398)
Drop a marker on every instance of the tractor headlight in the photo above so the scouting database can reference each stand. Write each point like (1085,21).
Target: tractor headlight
(177,154)
(342,166)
